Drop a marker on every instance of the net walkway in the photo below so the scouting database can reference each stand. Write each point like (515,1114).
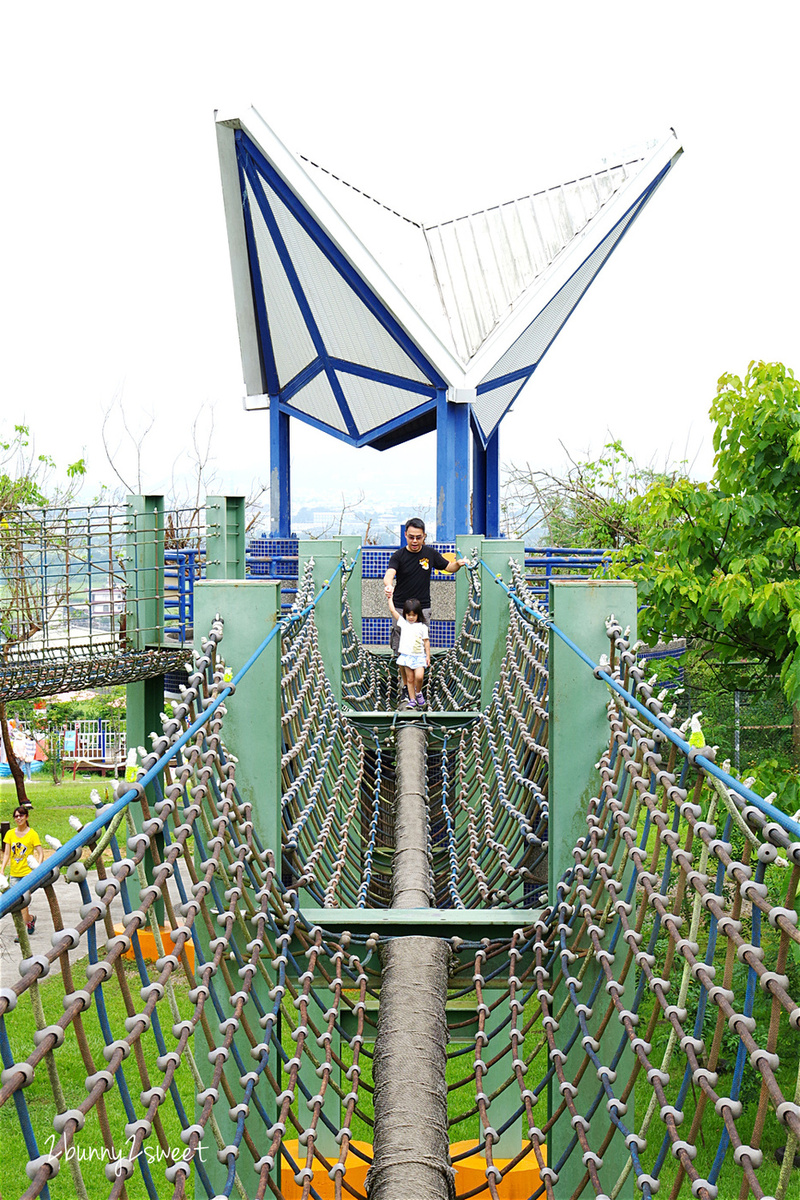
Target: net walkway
(630,1026)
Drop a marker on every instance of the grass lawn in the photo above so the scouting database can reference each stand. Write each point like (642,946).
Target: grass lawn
(53,804)
(72,1072)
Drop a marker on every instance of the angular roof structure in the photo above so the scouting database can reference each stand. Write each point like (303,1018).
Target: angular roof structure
(374,327)
(354,316)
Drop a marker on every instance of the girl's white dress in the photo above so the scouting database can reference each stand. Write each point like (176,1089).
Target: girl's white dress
(413,635)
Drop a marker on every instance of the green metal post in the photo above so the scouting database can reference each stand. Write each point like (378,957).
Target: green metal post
(250,610)
(578,736)
(496,553)
(144,627)
(252,732)
(351,544)
(144,703)
(225,537)
(465,544)
(145,571)
(328,613)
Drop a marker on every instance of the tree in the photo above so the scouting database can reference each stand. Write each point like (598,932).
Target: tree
(194,474)
(25,481)
(720,561)
(592,505)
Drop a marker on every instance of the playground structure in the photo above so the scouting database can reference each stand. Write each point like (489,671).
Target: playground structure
(88,745)
(97,596)
(529,943)
(583,983)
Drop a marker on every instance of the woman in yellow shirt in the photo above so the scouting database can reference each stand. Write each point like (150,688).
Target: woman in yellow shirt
(19,843)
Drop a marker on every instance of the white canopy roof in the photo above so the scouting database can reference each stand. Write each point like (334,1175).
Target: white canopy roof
(355,317)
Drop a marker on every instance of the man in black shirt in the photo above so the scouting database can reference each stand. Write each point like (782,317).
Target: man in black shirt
(408,575)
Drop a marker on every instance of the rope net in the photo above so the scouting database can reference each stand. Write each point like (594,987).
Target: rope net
(640,1032)
(370,681)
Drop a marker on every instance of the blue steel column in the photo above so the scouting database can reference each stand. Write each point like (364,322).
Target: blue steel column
(280,481)
(452,469)
(492,474)
(486,485)
(478,487)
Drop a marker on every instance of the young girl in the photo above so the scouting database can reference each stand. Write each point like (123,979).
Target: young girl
(20,843)
(415,649)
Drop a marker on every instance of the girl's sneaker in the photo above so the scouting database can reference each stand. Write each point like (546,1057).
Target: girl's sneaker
(421,701)
(32,925)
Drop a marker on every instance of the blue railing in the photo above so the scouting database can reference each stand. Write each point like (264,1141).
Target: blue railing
(560,562)
(181,569)
(277,558)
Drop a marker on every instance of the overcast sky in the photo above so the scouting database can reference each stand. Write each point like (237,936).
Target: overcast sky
(115,271)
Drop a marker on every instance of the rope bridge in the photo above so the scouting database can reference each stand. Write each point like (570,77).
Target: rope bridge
(627,1025)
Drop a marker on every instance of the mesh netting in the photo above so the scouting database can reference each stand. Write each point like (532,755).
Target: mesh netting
(190,1027)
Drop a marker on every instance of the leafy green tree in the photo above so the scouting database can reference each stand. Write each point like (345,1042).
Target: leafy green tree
(592,504)
(25,486)
(720,561)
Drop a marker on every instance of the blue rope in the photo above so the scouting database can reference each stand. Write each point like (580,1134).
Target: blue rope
(67,852)
(787,823)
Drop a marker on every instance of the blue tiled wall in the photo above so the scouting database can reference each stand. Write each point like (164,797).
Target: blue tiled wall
(375,632)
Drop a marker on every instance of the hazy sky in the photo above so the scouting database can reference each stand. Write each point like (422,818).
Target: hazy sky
(115,271)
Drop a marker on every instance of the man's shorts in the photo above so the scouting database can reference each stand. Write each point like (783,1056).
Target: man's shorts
(394,637)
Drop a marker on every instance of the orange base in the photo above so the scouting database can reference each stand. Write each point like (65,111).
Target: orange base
(516,1185)
(147,944)
(470,1173)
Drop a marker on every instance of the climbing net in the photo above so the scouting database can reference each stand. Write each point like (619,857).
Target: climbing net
(455,677)
(49,672)
(641,1029)
(370,680)
(674,964)
(336,792)
(488,787)
(486,781)
(82,602)
(141,1071)
(248,1040)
